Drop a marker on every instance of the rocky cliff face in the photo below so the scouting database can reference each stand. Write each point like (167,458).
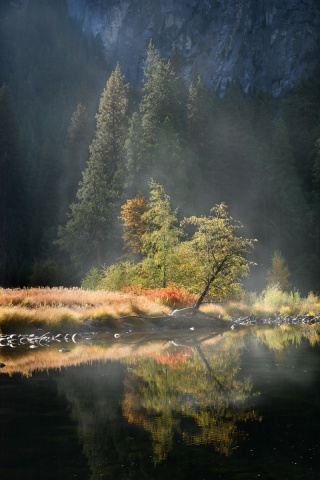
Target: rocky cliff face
(264,44)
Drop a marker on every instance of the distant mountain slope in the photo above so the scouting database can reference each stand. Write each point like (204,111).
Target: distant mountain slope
(264,44)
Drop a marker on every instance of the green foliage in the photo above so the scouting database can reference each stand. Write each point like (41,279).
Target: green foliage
(209,263)
(88,228)
(257,154)
(157,104)
(120,275)
(92,280)
(158,100)
(215,257)
(283,302)
(134,159)
(161,236)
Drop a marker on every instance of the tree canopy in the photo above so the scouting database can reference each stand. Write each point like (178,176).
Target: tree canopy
(210,260)
(91,218)
(257,154)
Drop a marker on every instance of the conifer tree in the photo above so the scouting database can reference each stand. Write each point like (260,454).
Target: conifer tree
(161,236)
(279,274)
(158,100)
(91,220)
(198,120)
(135,165)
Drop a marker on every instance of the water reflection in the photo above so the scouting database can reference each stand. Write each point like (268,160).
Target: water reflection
(142,399)
(195,393)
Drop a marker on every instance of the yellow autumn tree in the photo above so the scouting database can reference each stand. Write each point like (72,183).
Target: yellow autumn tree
(279,273)
(134,223)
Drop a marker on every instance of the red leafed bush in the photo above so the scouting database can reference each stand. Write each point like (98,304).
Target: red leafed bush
(171,296)
(174,359)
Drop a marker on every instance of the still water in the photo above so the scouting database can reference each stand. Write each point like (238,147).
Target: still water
(195,404)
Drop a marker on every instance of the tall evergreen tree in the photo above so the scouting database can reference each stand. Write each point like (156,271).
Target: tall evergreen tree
(91,220)
(135,165)
(198,118)
(158,99)
(161,235)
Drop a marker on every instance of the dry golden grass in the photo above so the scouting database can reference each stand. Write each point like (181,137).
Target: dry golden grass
(213,309)
(70,307)
(47,359)
(59,296)
(53,306)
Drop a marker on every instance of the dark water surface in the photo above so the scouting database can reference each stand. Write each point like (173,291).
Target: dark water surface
(195,405)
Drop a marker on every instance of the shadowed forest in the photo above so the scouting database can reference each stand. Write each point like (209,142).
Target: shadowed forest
(77,142)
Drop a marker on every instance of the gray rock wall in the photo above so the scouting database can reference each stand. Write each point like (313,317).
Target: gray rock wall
(264,44)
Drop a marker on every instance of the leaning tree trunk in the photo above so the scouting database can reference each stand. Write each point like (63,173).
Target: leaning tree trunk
(209,281)
(204,291)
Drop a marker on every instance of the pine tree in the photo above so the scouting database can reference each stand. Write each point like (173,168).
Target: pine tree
(91,220)
(161,236)
(158,100)
(198,117)
(279,274)
(135,165)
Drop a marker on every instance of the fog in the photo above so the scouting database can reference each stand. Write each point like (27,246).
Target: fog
(248,150)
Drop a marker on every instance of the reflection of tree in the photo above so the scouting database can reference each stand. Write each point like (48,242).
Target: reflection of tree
(200,399)
(283,336)
(177,397)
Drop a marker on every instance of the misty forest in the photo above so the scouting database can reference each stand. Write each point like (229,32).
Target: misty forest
(109,182)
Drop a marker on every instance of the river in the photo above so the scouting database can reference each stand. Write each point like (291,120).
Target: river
(197,404)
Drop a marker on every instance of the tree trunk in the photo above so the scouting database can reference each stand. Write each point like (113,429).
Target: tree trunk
(204,291)
(209,281)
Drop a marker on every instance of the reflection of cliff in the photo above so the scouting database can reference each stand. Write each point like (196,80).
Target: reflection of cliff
(201,399)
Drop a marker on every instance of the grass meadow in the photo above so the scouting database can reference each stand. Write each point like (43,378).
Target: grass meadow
(73,307)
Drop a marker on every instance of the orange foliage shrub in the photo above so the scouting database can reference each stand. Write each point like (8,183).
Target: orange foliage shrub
(173,360)
(171,296)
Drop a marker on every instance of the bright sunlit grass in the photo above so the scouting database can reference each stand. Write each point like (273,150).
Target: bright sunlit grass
(72,307)
(53,306)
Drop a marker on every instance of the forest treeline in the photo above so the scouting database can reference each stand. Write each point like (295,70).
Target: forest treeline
(77,141)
